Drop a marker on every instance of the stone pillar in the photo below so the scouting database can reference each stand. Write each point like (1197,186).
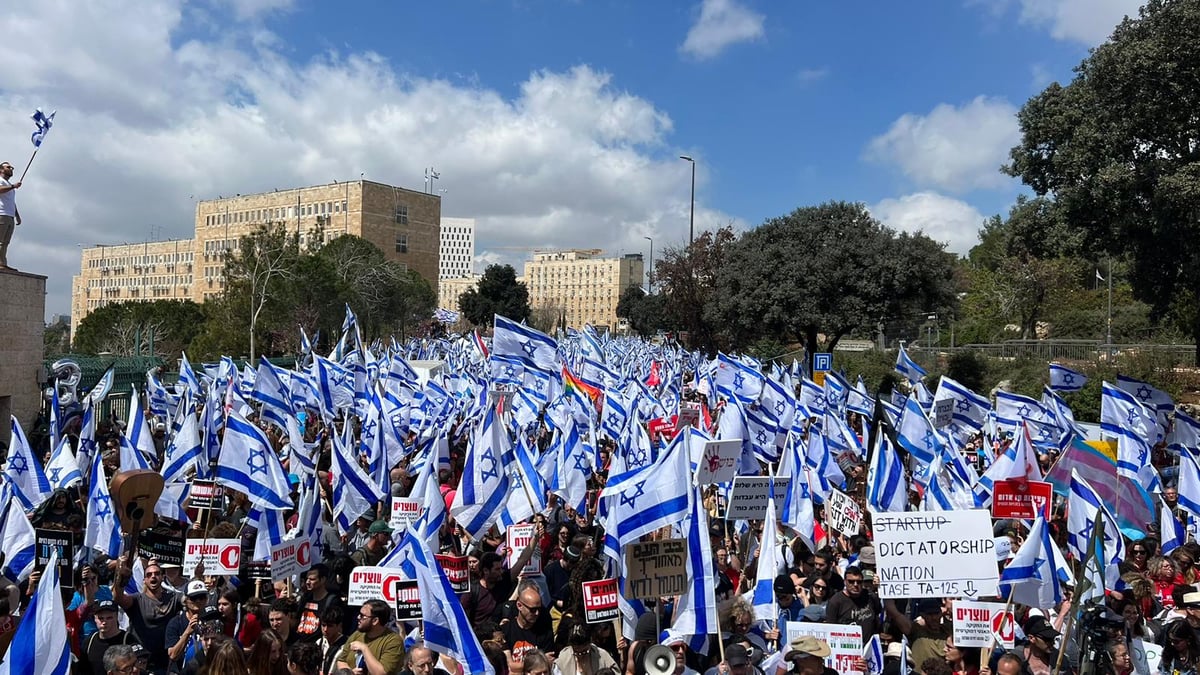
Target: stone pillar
(22,329)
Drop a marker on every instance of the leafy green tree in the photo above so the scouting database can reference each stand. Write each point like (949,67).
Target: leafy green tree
(498,292)
(827,269)
(647,314)
(57,338)
(1119,150)
(262,268)
(160,328)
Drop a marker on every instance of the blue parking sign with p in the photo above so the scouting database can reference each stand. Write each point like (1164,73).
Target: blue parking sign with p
(822,362)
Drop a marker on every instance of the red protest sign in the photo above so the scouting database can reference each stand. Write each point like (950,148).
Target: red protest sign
(600,600)
(1024,499)
(457,573)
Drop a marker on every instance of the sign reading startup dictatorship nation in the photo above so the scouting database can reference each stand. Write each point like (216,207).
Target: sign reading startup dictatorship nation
(935,554)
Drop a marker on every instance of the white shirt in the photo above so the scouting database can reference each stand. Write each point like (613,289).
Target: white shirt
(8,200)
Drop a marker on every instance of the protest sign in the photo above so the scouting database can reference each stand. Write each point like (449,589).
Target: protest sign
(1024,499)
(983,624)
(404,513)
(842,513)
(518,537)
(457,571)
(373,583)
(63,541)
(656,568)
(689,416)
(748,500)
(258,570)
(165,548)
(221,557)
(408,601)
(845,642)
(943,412)
(204,495)
(291,556)
(718,462)
(1003,548)
(600,600)
(935,554)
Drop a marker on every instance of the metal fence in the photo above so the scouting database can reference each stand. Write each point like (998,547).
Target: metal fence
(1077,350)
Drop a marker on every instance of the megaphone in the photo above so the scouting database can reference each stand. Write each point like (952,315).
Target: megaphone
(659,660)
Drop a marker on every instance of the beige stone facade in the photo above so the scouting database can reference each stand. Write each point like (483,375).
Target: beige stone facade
(581,284)
(404,223)
(22,322)
(450,290)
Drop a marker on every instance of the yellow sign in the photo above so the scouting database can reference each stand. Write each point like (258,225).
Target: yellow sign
(819,378)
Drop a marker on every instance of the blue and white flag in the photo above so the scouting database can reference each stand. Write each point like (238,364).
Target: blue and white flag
(1188,486)
(103,531)
(248,463)
(18,539)
(1084,508)
(1170,529)
(484,486)
(575,463)
(23,471)
(188,377)
(769,565)
(40,645)
(915,433)
(1019,461)
(272,388)
(43,122)
(887,489)
(446,316)
(354,492)
(970,409)
(1185,433)
(643,500)
(908,368)
(1147,394)
(873,655)
(696,611)
(1013,409)
(797,512)
(735,379)
(447,628)
(533,348)
(63,470)
(1030,578)
(184,449)
(1064,379)
(1133,424)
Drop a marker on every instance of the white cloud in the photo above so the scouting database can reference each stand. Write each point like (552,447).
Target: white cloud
(809,75)
(149,119)
(952,148)
(944,219)
(721,23)
(1089,22)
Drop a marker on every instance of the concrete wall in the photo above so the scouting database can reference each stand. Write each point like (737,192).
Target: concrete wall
(22,325)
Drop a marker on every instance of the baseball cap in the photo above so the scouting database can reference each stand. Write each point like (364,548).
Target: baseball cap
(1040,627)
(195,588)
(736,655)
(784,585)
(808,645)
(105,606)
(379,527)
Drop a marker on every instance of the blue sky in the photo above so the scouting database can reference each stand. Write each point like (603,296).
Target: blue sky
(551,123)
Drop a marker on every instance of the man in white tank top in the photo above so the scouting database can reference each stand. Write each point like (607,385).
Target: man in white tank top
(10,217)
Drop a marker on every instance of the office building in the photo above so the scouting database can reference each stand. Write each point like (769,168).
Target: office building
(457,254)
(581,285)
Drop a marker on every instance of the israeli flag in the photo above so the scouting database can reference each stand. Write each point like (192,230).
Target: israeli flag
(272,388)
(1084,508)
(873,655)
(534,348)
(887,489)
(484,486)
(696,611)
(970,409)
(1171,530)
(1189,483)
(103,532)
(1030,577)
(908,368)
(1013,409)
(43,122)
(916,435)
(184,449)
(40,644)
(63,470)
(735,379)
(797,502)
(17,539)
(646,499)
(24,471)
(1064,379)
(354,492)
(1133,424)
(249,464)
(188,377)
(769,564)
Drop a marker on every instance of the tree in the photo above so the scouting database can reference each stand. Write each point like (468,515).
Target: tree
(1119,150)
(261,268)
(646,313)
(687,277)
(826,269)
(498,292)
(56,338)
(162,328)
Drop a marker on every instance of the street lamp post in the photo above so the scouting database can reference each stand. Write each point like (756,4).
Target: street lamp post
(650,274)
(692,216)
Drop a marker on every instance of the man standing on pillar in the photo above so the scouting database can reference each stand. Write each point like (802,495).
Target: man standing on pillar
(10,217)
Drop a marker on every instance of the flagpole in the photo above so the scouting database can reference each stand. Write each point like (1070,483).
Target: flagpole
(1108,347)
(35,151)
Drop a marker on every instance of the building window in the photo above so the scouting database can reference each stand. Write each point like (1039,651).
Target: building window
(401,242)
(402,214)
